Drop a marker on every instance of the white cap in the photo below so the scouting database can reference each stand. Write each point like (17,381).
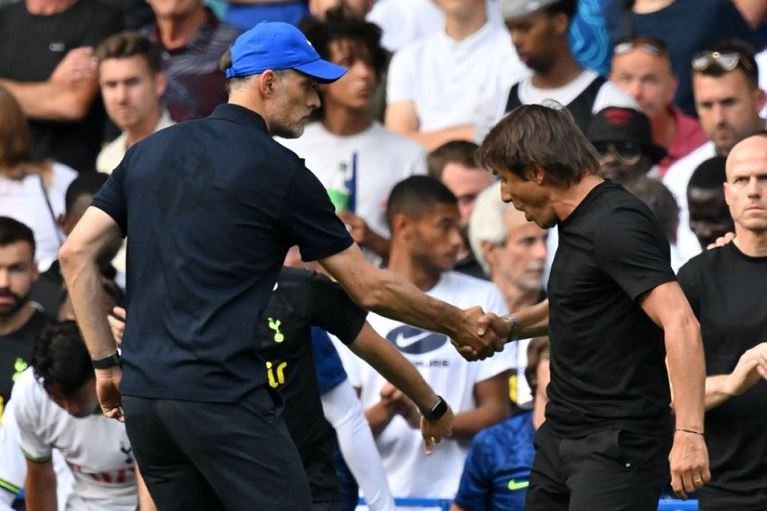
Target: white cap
(511,9)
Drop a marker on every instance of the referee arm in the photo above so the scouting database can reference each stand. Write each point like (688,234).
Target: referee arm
(390,295)
(667,306)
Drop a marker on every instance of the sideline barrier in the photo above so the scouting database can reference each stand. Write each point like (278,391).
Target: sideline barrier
(444,505)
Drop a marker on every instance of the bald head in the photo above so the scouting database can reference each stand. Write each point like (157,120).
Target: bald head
(746,187)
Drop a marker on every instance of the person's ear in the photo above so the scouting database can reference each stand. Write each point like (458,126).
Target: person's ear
(536,174)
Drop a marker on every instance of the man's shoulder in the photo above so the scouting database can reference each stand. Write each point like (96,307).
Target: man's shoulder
(679,173)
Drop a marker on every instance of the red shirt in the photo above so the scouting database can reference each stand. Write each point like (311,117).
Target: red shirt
(688,136)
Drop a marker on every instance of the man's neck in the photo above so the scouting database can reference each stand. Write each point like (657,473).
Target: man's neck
(344,122)
(753,244)
(565,200)
(14,323)
(649,6)
(459,27)
(144,129)
(664,127)
(564,70)
(176,32)
(401,263)
(48,7)
(515,297)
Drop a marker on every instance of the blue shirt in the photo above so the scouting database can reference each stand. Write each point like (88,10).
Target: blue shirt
(210,208)
(497,469)
(327,363)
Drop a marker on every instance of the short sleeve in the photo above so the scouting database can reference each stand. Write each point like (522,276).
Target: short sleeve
(111,198)
(27,408)
(311,219)
(331,309)
(401,76)
(631,248)
(732,23)
(688,281)
(476,481)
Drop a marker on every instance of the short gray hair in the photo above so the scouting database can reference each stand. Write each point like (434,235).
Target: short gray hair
(487,222)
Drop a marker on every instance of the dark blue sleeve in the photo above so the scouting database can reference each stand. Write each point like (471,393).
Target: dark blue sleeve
(311,220)
(330,371)
(111,198)
(731,24)
(476,480)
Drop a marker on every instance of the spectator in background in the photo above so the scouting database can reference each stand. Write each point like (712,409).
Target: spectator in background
(539,31)
(709,215)
(20,320)
(31,191)
(728,100)
(726,288)
(356,158)
(136,13)
(453,164)
(686,26)
(466,66)
(624,142)
(497,470)
(132,84)
(55,407)
(761,60)
(192,41)
(661,202)
(641,67)
(424,221)
(512,251)
(48,290)
(247,13)
(47,64)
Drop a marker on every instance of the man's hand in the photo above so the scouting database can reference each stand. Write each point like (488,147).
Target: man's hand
(108,392)
(116,321)
(751,367)
(721,241)
(78,64)
(689,463)
(477,337)
(400,404)
(434,431)
(363,235)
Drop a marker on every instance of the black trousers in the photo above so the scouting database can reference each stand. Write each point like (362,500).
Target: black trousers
(611,470)
(216,456)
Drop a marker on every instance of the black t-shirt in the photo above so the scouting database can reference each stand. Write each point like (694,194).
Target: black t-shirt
(302,299)
(31,47)
(727,291)
(210,208)
(607,355)
(16,351)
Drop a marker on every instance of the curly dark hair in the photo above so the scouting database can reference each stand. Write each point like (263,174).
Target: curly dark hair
(59,357)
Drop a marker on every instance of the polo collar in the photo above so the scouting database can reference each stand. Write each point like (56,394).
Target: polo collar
(240,115)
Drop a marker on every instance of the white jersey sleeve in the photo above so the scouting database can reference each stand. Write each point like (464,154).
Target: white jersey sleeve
(27,404)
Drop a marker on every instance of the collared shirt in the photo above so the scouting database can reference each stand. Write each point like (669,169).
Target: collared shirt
(210,208)
(113,152)
(688,135)
(195,82)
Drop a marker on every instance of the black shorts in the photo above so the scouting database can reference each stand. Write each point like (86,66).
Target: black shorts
(610,470)
(217,456)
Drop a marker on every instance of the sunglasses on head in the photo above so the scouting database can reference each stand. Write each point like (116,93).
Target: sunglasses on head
(645,45)
(727,60)
(625,151)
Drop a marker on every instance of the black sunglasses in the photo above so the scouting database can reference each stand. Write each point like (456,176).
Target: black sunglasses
(624,151)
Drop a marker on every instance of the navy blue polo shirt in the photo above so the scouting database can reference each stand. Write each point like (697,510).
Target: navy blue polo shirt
(210,208)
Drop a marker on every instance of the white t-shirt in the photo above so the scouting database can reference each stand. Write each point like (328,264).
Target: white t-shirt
(676,179)
(24,200)
(112,153)
(452,83)
(95,447)
(411,473)
(761,63)
(383,160)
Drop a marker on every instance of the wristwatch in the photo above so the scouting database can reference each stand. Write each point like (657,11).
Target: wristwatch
(437,411)
(112,360)
(513,327)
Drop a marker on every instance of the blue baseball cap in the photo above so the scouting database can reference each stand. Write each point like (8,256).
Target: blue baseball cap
(278,46)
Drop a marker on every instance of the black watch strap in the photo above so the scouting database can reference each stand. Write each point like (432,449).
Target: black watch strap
(437,411)
(112,360)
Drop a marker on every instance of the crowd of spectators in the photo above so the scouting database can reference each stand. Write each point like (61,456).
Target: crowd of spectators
(663,89)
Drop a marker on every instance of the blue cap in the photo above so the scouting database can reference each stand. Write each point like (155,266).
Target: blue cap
(278,46)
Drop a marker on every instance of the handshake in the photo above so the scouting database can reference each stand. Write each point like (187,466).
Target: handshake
(481,334)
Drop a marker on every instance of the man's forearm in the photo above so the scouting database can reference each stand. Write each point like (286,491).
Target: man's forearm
(56,101)
(40,488)
(687,373)
(716,391)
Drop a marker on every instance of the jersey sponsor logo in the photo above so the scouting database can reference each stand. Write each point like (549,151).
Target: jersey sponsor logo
(515,485)
(276,375)
(415,341)
(274,324)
